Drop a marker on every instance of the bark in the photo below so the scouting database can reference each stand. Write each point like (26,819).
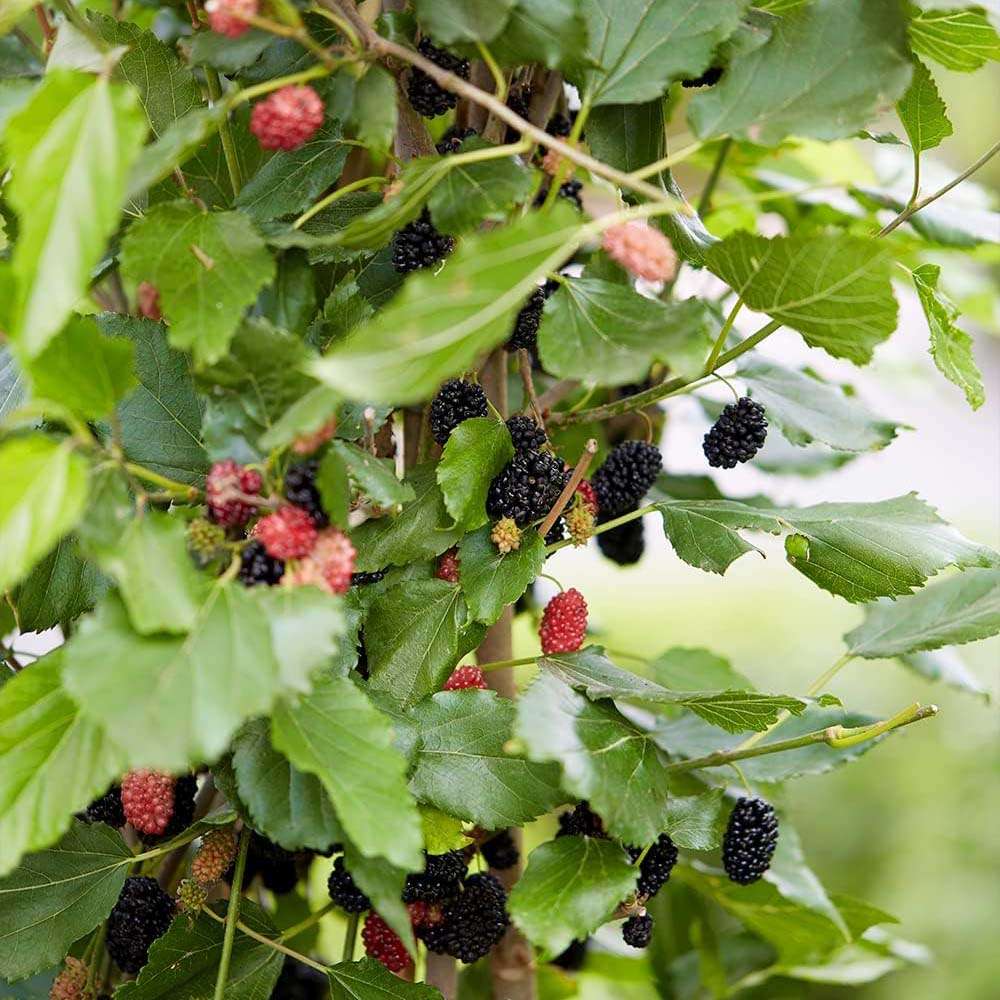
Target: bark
(442,973)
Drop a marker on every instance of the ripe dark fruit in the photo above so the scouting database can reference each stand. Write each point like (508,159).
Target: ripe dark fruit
(525,334)
(301,490)
(276,867)
(257,567)
(656,866)
(142,914)
(750,839)
(526,434)
(526,488)
(637,931)
(625,544)
(107,809)
(364,579)
(418,244)
(500,851)
(737,435)
(711,76)
(427,97)
(573,957)
(476,919)
(300,982)
(451,141)
(344,891)
(580,821)
(625,477)
(455,402)
(441,878)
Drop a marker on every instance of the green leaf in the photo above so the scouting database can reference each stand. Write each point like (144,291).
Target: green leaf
(806,409)
(450,21)
(627,136)
(12,12)
(184,963)
(960,39)
(290,806)
(473,192)
(439,323)
(382,883)
(604,758)
(60,588)
(291,180)
(490,579)
(203,291)
(290,302)
(553,34)
(248,647)
(571,887)
(607,333)
(922,112)
(77,133)
(946,666)
(166,87)
(411,637)
(305,416)
(690,737)
(156,539)
(951,347)
(474,454)
(52,761)
(687,669)
(963,608)
(84,370)
(591,672)
(376,477)
(824,73)
(13,390)
(641,46)
(369,979)
(696,822)
(336,734)
(228,54)
(442,833)
(463,770)
(161,420)
(833,289)
(334,487)
(58,895)
(41,498)
(374,113)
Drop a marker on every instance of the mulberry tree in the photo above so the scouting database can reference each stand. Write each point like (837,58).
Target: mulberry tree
(326,328)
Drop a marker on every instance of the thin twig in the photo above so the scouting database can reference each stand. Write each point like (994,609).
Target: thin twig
(214,85)
(270,942)
(524,365)
(232,916)
(705,199)
(589,451)
(350,935)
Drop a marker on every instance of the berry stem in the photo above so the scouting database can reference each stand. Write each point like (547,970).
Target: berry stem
(214,85)
(329,199)
(837,737)
(705,199)
(171,485)
(351,936)
(527,380)
(589,451)
(607,526)
(720,341)
(270,942)
(232,916)
(667,161)
(499,80)
(291,80)
(314,918)
(500,664)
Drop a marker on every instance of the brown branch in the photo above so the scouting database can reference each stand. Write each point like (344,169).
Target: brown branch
(589,451)
(524,365)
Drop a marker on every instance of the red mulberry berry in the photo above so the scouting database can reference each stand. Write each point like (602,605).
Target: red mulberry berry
(148,800)
(71,983)
(227,487)
(329,565)
(288,533)
(225,16)
(462,678)
(218,850)
(447,567)
(564,623)
(287,118)
(147,300)
(641,249)
(381,942)
(587,495)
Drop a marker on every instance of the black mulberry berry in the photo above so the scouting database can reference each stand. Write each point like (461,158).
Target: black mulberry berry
(276,867)
(637,931)
(711,76)
(525,335)
(525,433)
(344,890)
(418,244)
(580,821)
(526,488)
(107,809)
(257,567)
(441,878)
(570,190)
(573,957)
(364,579)
(625,544)
(500,851)
(301,490)
(476,919)
(625,477)
(519,101)
(561,125)
(451,141)
(142,914)
(299,982)
(429,99)
(656,866)
(737,435)
(750,839)
(456,401)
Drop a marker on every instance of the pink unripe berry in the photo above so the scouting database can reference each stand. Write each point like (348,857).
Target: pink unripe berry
(641,249)
(288,533)
(287,118)
(463,678)
(148,800)
(226,17)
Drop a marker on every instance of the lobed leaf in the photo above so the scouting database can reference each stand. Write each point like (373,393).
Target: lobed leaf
(922,112)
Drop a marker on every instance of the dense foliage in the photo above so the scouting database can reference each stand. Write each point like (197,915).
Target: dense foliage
(326,327)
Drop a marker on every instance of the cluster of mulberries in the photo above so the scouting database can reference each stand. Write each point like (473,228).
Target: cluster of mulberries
(440,880)
(344,891)
(525,434)
(476,919)
(156,805)
(526,488)
(625,477)
(737,435)
(750,839)
(500,851)
(142,914)
(455,402)
(451,141)
(427,97)
(581,821)
(419,244)
(656,866)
